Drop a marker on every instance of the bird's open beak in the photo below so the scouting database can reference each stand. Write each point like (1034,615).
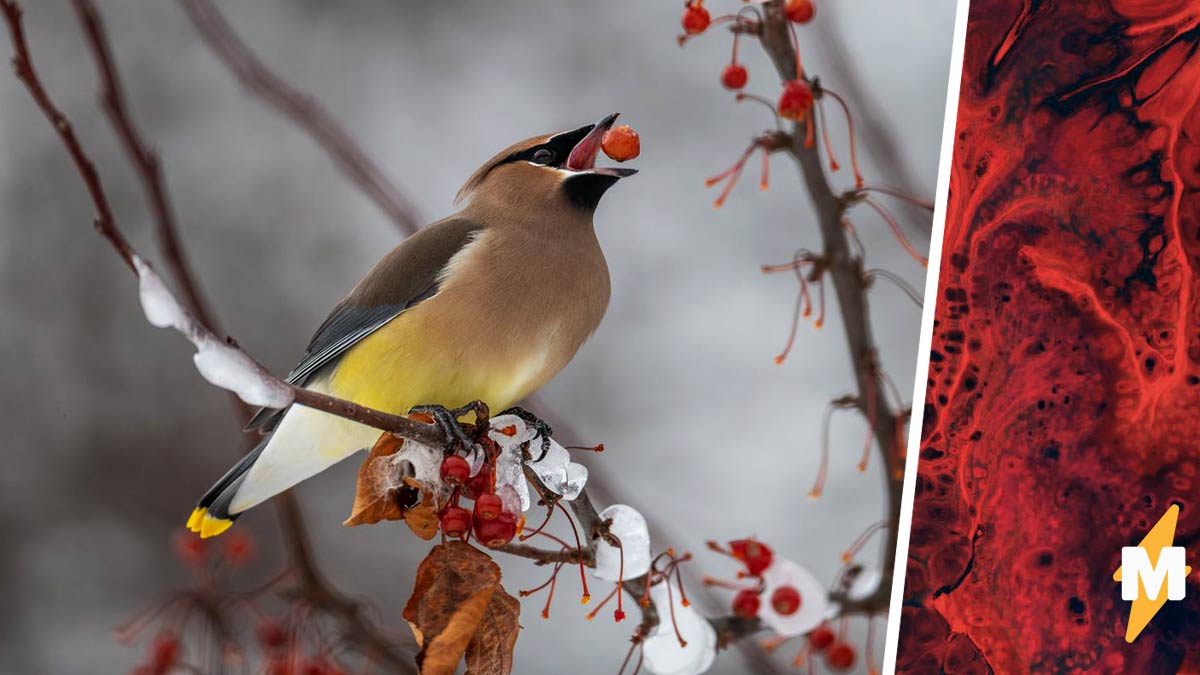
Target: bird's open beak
(583,155)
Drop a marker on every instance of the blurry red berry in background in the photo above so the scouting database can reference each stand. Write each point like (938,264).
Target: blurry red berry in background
(799,11)
(796,100)
(734,76)
(841,656)
(695,17)
(164,652)
(821,638)
(270,634)
(239,546)
(190,547)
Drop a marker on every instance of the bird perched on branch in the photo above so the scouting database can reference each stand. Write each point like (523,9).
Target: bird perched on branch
(488,305)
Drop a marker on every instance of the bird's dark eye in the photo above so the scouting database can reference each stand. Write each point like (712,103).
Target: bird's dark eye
(543,156)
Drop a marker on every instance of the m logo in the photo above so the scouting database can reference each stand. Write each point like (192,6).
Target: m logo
(1149,569)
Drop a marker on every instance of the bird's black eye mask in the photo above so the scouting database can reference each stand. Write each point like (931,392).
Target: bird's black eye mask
(553,152)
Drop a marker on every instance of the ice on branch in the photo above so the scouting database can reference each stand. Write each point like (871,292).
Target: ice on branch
(814,599)
(221,364)
(629,527)
(663,652)
(556,470)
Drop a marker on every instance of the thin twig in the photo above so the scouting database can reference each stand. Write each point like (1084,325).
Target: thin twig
(303,110)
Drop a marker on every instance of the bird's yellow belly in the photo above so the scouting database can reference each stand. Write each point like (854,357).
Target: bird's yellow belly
(409,362)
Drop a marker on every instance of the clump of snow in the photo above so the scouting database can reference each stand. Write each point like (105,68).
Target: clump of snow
(556,470)
(413,460)
(661,652)
(630,527)
(814,601)
(221,364)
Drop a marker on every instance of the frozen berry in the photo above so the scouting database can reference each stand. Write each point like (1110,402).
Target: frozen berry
(755,555)
(799,11)
(746,603)
(455,470)
(734,76)
(496,531)
(695,17)
(796,100)
(488,507)
(785,600)
(456,521)
(841,656)
(480,483)
(821,637)
(621,143)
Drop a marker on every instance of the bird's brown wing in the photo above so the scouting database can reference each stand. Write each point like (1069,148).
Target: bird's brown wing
(403,278)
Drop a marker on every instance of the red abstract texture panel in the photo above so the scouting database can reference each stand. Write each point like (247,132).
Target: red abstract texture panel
(1062,414)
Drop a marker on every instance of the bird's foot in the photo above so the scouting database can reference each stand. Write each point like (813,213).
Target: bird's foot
(539,425)
(447,420)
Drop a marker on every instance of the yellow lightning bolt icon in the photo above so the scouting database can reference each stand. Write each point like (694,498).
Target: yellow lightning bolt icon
(1142,610)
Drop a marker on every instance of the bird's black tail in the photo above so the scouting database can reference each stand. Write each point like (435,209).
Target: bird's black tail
(211,515)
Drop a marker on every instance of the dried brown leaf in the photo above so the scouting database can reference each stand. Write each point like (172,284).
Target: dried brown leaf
(490,651)
(422,519)
(453,591)
(375,501)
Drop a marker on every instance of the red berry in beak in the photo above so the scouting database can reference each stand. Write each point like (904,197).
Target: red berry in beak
(785,600)
(621,143)
(841,657)
(455,470)
(746,603)
(799,11)
(734,76)
(795,101)
(821,638)
(695,17)
(455,521)
(488,507)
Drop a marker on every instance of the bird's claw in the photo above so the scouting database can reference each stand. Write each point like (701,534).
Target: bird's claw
(539,425)
(447,420)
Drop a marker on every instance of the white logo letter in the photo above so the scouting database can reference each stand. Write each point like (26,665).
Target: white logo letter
(1136,567)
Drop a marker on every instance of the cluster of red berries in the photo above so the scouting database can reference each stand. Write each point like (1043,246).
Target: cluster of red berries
(236,548)
(164,655)
(839,656)
(757,557)
(489,522)
(274,639)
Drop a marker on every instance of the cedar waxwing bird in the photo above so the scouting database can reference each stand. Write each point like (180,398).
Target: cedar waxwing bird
(487,304)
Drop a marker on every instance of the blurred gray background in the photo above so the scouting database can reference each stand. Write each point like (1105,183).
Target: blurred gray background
(109,434)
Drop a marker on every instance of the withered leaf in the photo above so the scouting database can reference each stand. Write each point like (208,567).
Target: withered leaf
(377,494)
(490,651)
(457,607)
(422,519)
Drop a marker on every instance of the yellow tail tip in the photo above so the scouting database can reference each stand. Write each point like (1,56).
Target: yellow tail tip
(211,527)
(194,520)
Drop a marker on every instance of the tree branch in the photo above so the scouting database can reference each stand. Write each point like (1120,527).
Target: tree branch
(302,110)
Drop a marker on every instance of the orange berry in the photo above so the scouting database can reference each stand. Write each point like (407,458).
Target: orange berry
(841,656)
(795,101)
(799,11)
(621,143)
(695,17)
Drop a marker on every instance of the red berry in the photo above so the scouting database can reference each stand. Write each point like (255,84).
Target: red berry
(621,143)
(165,651)
(270,634)
(190,547)
(480,483)
(746,603)
(821,637)
(755,555)
(455,470)
(488,507)
(785,600)
(695,17)
(280,666)
(799,11)
(734,76)
(314,667)
(841,656)
(239,546)
(795,101)
(497,531)
(456,521)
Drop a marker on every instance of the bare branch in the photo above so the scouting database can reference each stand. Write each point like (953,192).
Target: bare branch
(302,110)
